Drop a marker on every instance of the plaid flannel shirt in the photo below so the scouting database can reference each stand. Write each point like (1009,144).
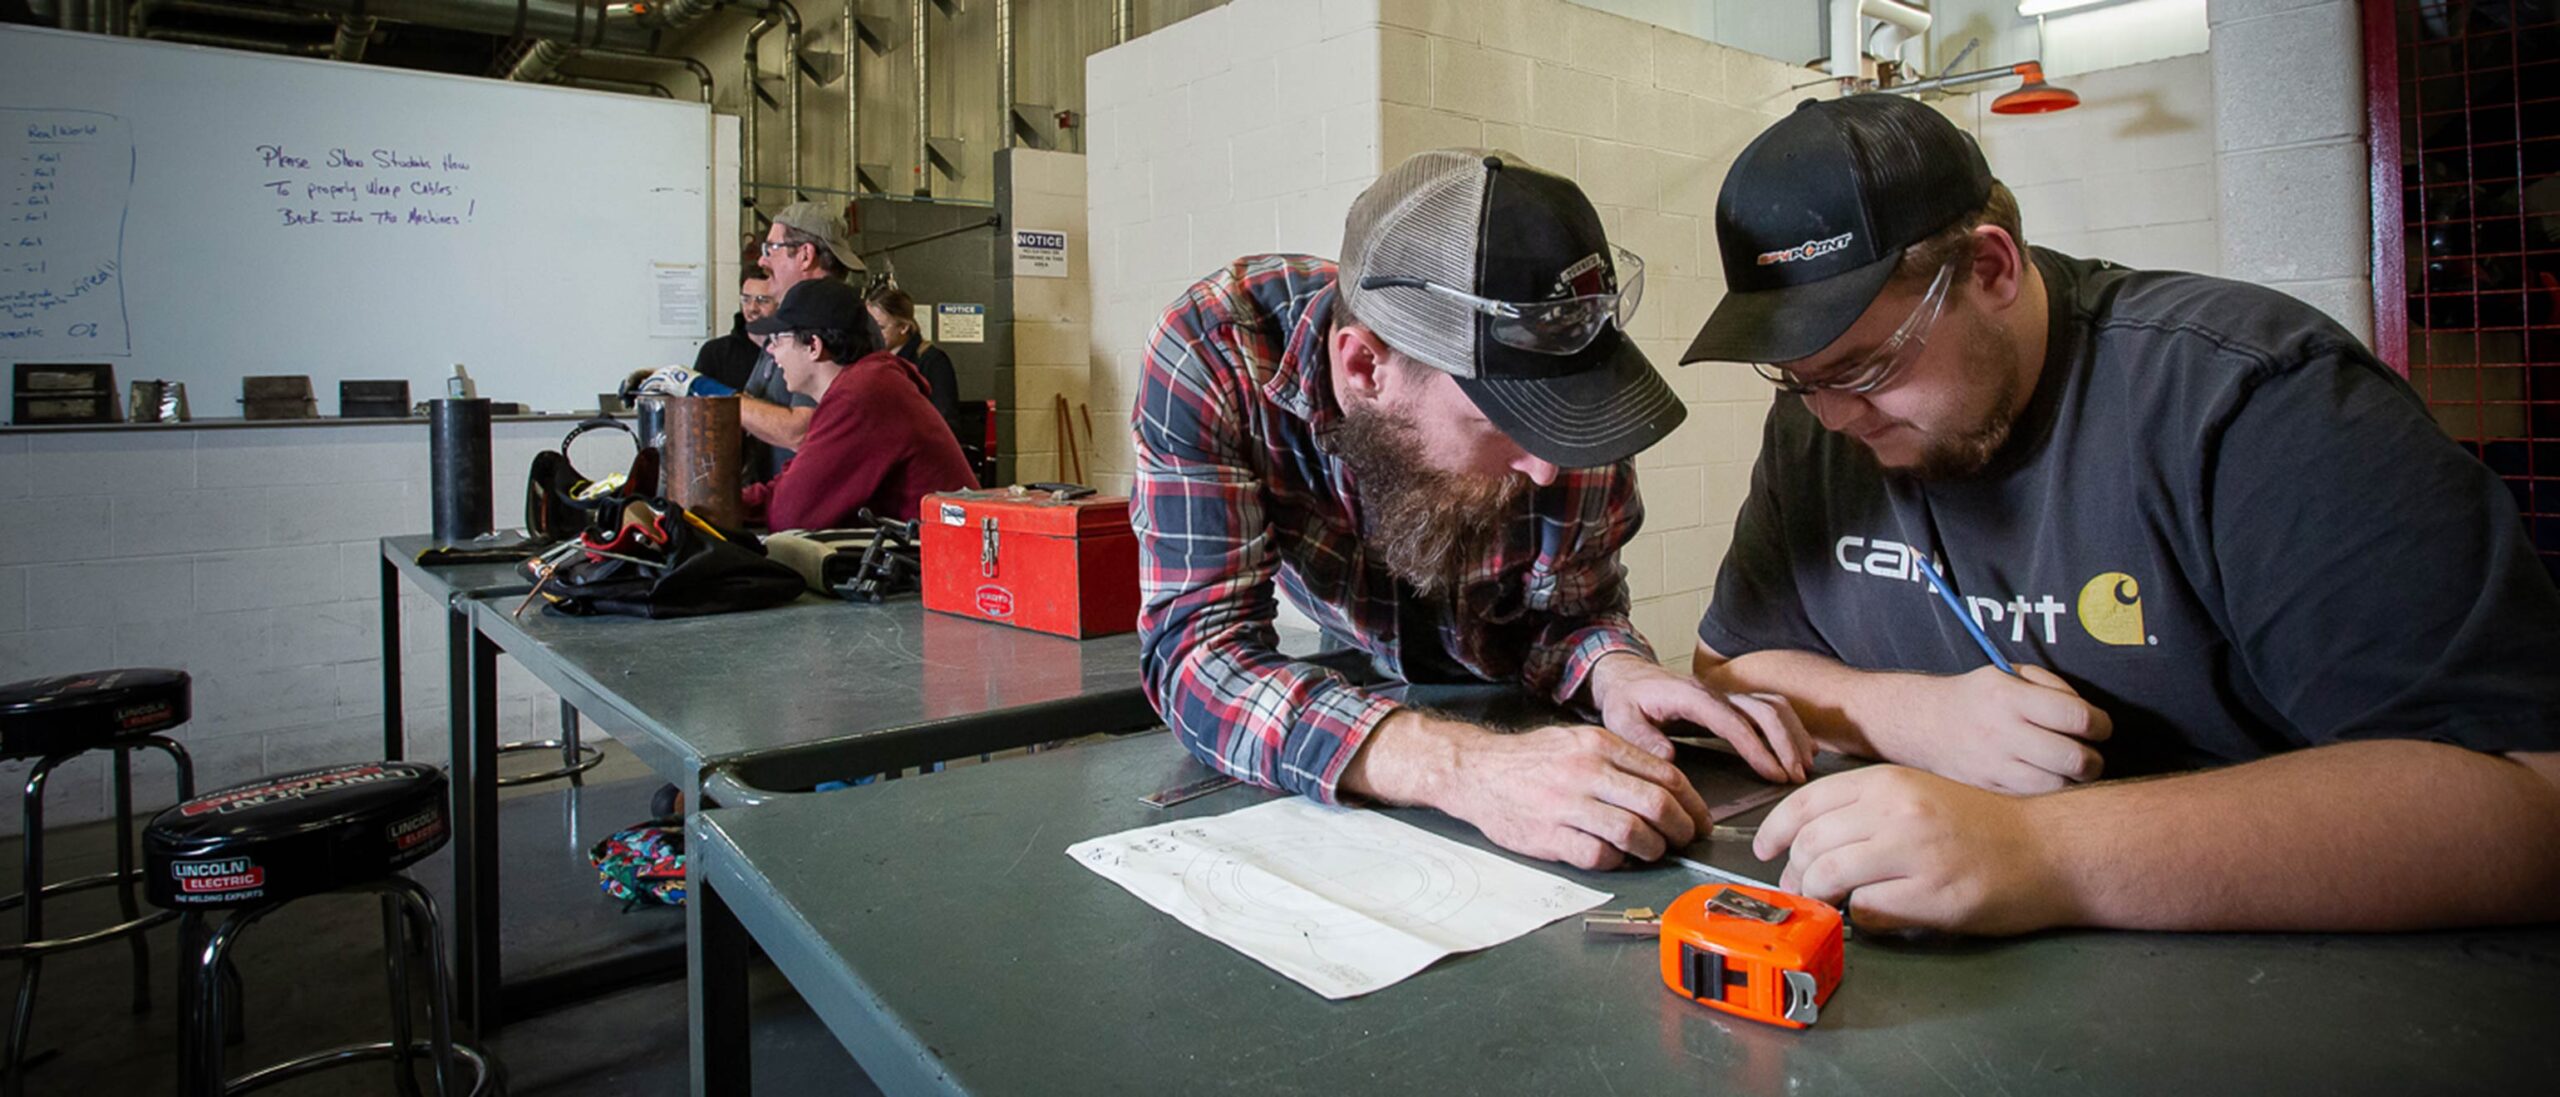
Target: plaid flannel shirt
(1239,490)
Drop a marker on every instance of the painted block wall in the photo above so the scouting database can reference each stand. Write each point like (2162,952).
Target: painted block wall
(247,558)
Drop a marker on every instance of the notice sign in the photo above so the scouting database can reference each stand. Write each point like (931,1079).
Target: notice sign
(1039,253)
(961,323)
(677,305)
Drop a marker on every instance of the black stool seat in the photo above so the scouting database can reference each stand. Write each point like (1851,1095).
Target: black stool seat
(293,835)
(75,712)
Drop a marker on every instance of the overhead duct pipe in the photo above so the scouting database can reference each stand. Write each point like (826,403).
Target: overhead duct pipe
(352,37)
(547,55)
(148,10)
(1902,24)
(1004,73)
(924,131)
(236,42)
(701,72)
(580,22)
(750,114)
(791,92)
(602,83)
(1120,21)
(852,96)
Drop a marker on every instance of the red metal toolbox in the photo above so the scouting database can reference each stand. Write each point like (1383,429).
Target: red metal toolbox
(1049,561)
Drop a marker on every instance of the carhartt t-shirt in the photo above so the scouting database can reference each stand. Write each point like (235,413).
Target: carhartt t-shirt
(2220,518)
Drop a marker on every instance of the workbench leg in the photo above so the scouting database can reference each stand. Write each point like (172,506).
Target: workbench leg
(717,989)
(475,853)
(395,740)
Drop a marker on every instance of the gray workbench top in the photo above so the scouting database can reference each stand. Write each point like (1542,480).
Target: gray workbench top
(939,928)
(445,579)
(738,685)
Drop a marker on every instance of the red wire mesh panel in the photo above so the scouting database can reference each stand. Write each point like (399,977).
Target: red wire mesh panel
(2476,87)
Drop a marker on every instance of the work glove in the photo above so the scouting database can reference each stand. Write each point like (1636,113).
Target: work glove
(679,381)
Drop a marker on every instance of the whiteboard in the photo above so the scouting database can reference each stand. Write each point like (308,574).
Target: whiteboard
(200,215)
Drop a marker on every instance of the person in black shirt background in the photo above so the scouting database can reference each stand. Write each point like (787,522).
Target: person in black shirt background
(896,314)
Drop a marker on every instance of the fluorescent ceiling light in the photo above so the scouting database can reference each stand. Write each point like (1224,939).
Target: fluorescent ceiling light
(2048,7)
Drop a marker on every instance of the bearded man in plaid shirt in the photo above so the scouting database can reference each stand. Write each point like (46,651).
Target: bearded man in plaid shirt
(1427,451)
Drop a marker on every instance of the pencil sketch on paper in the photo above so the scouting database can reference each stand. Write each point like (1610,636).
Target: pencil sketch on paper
(1341,900)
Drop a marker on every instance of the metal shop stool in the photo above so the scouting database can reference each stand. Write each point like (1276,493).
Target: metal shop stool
(576,758)
(244,852)
(54,720)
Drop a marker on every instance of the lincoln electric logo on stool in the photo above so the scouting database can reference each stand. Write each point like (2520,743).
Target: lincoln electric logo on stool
(995,601)
(227,876)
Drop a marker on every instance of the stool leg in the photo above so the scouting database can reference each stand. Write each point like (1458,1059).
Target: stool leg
(440,1002)
(190,980)
(205,1075)
(395,961)
(13,1073)
(125,878)
(235,1021)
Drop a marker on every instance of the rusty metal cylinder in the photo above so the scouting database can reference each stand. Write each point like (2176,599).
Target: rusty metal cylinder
(701,457)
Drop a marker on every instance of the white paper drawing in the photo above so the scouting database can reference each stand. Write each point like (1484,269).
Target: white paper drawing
(1343,901)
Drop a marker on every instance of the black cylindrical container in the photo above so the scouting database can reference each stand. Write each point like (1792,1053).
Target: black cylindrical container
(458,445)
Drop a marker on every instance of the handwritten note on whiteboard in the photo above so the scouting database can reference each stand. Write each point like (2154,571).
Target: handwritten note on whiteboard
(350,186)
(65,176)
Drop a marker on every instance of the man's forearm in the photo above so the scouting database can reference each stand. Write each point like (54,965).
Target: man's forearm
(773,424)
(2381,835)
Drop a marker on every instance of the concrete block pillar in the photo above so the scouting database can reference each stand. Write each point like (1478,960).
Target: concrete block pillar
(2289,123)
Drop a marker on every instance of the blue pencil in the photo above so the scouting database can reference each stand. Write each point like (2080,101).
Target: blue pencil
(1954,607)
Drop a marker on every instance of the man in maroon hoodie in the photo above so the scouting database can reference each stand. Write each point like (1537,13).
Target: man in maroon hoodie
(875,440)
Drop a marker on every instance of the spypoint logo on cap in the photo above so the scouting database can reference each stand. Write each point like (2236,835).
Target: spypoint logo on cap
(1810,249)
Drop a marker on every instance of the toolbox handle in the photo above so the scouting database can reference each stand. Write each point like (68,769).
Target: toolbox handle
(1062,491)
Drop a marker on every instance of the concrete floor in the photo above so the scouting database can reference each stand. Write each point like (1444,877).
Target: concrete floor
(314,977)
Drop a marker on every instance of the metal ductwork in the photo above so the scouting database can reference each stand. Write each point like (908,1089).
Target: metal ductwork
(777,15)
(581,22)
(1004,74)
(852,96)
(924,127)
(1120,20)
(546,55)
(701,72)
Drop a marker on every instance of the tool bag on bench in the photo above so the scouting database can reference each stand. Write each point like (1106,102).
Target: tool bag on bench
(660,561)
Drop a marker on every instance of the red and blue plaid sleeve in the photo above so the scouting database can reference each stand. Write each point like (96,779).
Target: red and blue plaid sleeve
(1207,568)
(1585,597)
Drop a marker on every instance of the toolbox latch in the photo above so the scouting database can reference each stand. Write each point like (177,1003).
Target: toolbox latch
(987,547)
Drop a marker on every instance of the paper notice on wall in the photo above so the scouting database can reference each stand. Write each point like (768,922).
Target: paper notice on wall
(961,323)
(1039,253)
(679,307)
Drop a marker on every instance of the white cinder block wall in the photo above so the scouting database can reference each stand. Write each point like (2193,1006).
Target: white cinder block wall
(247,558)
(2290,129)
(2127,175)
(1644,118)
(1053,320)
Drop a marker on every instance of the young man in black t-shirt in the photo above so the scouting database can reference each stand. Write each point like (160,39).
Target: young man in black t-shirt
(2213,534)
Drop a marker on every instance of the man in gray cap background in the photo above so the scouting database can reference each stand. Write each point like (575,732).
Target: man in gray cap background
(1426,451)
(2193,526)
(806,241)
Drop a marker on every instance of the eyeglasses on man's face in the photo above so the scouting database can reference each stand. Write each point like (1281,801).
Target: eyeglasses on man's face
(1878,366)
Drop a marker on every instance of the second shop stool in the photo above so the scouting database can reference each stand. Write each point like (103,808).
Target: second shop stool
(576,758)
(242,853)
(55,720)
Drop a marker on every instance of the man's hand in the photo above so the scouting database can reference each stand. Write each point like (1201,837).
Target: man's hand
(1902,849)
(1638,697)
(679,381)
(2026,734)
(1580,795)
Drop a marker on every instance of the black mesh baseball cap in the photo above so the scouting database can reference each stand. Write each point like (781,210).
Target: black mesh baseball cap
(1487,223)
(1817,211)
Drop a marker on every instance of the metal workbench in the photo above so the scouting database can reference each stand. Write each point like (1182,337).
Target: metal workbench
(947,940)
(771,702)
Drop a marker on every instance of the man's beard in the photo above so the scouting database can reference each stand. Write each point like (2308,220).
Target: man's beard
(1428,526)
(1958,454)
